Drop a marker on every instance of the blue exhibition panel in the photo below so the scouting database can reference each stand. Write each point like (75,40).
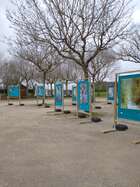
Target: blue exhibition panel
(74,90)
(40,92)
(59,94)
(110,92)
(84,95)
(13,91)
(129,96)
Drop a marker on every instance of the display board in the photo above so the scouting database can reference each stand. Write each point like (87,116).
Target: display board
(13,91)
(84,95)
(110,93)
(74,94)
(40,91)
(128,96)
(59,95)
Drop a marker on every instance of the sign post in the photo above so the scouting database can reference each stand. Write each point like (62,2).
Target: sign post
(110,93)
(84,96)
(13,92)
(59,96)
(74,95)
(115,102)
(40,93)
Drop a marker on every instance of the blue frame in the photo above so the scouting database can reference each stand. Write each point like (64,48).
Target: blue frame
(84,101)
(123,113)
(110,97)
(59,94)
(74,98)
(40,91)
(14,91)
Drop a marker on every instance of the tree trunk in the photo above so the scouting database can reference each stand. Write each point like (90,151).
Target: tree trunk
(67,92)
(51,89)
(27,89)
(44,80)
(85,70)
(93,92)
(93,89)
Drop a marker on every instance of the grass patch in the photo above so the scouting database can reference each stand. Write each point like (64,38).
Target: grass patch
(97,114)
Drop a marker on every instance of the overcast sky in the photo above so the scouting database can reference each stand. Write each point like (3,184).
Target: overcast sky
(4,25)
(6,31)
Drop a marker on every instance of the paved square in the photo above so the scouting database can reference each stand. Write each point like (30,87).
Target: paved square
(41,149)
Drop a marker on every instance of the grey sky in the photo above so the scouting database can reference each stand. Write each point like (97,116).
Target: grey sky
(6,31)
(4,25)
(136,15)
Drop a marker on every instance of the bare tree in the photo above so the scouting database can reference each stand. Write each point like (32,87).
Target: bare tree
(74,28)
(130,50)
(66,71)
(15,72)
(9,73)
(42,56)
(102,65)
(27,72)
(69,71)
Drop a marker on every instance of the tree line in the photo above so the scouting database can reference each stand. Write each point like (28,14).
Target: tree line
(71,39)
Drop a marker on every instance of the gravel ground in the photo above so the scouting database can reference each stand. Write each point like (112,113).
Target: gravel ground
(39,148)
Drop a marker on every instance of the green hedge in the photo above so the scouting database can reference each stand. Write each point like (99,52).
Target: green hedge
(100,94)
